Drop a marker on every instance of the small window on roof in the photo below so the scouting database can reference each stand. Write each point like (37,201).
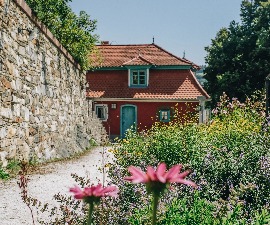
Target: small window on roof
(138,78)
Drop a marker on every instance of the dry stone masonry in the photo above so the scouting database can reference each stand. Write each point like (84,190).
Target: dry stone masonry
(43,110)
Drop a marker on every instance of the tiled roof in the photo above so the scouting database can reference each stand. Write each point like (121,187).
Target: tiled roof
(144,54)
(180,85)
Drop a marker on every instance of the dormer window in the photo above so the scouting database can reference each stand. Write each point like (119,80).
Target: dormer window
(138,77)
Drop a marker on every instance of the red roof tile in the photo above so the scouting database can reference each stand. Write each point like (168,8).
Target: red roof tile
(144,54)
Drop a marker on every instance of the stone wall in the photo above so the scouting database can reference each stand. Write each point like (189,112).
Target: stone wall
(43,110)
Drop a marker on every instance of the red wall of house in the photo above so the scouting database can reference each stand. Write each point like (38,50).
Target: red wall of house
(146,111)
(169,84)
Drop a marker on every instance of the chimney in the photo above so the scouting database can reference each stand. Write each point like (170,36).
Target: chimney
(105,42)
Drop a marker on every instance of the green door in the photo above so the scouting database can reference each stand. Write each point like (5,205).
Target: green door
(128,118)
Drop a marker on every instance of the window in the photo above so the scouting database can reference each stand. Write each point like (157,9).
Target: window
(102,111)
(138,78)
(164,115)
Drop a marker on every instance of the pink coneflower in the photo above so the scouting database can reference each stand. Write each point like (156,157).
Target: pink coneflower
(93,195)
(158,180)
(159,175)
(93,191)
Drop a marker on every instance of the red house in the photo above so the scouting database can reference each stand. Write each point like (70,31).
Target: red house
(136,85)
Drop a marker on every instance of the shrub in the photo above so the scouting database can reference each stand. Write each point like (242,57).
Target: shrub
(198,211)
(226,155)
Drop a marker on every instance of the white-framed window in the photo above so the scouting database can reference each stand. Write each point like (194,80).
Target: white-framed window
(102,111)
(138,77)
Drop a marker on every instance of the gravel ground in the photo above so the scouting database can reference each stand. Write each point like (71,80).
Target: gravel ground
(51,179)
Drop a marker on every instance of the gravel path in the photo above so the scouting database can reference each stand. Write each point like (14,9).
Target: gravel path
(56,179)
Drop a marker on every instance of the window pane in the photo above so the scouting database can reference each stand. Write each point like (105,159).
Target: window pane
(142,73)
(142,79)
(165,115)
(100,112)
(135,79)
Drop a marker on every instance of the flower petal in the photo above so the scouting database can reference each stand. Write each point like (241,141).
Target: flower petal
(161,170)
(173,172)
(187,182)
(97,190)
(78,193)
(88,191)
(151,173)
(138,176)
(184,174)
(110,191)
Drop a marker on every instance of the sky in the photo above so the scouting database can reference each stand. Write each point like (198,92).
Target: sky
(177,25)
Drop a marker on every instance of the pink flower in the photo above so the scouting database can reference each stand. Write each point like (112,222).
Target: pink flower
(92,195)
(94,191)
(160,175)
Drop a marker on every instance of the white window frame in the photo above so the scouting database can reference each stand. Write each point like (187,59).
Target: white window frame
(105,111)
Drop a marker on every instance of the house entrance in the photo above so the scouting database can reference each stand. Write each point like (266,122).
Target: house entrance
(128,119)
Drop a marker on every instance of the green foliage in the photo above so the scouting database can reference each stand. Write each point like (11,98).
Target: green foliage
(3,174)
(75,32)
(10,170)
(238,59)
(229,158)
(197,211)
(93,143)
(13,166)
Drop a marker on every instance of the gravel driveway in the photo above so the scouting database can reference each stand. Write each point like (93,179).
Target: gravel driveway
(56,178)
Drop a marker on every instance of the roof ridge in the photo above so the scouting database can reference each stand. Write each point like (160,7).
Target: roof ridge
(124,45)
(143,58)
(138,57)
(177,57)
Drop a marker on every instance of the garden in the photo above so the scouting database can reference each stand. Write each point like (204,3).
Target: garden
(180,173)
(230,163)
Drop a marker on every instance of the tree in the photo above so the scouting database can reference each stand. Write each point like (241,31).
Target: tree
(75,32)
(238,59)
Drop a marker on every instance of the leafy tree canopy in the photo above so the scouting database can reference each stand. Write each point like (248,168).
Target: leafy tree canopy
(238,59)
(75,32)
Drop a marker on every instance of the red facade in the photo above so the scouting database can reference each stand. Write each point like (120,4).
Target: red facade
(147,113)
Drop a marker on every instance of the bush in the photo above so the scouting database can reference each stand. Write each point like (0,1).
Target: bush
(198,211)
(229,155)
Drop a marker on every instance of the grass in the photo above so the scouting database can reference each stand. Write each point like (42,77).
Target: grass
(3,174)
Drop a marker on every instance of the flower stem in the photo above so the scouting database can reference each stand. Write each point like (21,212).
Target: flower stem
(155,205)
(90,213)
